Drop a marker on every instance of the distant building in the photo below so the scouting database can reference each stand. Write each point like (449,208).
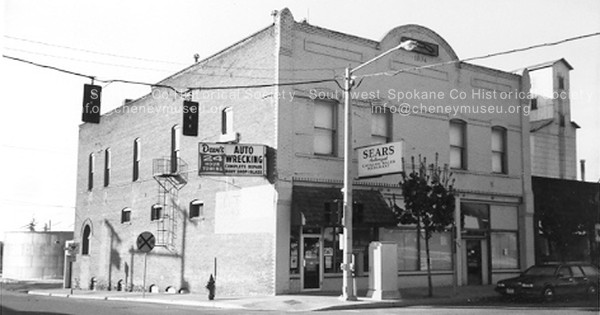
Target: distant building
(264,232)
(553,134)
(34,255)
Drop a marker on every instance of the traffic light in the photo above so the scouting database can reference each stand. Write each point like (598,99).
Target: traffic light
(91,103)
(334,213)
(190,118)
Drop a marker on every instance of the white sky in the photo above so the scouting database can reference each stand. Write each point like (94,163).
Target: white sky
(41,109)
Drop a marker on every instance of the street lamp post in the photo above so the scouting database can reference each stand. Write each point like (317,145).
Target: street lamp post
(348,293)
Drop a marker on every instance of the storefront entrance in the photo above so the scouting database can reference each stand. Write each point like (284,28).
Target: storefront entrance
(312,270)
(475,270)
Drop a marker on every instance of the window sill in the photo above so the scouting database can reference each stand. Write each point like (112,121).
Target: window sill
(320,156)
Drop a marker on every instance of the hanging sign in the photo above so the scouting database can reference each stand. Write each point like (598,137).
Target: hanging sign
(382,159)
(91,103)
(232,159)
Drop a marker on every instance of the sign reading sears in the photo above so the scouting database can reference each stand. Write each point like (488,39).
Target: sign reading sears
(232,159)
(380,159)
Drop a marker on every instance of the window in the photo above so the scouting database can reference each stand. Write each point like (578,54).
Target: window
(475,218)
(561,120)
(227,121)
(196,209)
(175,146)
(325,128)
(408,248)
(440,251)
(137,155)
(534,103)
(85,240)
(332,254)
(156,212)
(505,252)
(499,150)
(561,82)
(126,215)
(91,171)
(107,165)
(576,271)
(380,126)
(458,150)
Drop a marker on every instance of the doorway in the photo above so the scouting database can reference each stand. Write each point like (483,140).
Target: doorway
(475,258)
(311,256)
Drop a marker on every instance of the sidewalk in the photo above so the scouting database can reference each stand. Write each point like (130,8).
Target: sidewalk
(291,303)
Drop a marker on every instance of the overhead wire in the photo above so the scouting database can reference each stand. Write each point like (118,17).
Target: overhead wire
(506,52)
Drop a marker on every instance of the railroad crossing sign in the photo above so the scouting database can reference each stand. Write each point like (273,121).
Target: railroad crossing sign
(145,242)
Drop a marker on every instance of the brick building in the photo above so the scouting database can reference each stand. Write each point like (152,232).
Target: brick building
(266,233)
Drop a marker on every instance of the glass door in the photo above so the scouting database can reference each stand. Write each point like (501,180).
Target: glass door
(311,252)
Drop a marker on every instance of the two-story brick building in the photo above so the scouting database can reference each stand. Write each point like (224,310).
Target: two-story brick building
(266,234)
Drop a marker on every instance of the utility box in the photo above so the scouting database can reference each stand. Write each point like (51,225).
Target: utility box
(383,271)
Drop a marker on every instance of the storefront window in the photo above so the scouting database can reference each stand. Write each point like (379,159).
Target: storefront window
(332,254)
(408,258)
(505,254)
(440,251)
(294,250)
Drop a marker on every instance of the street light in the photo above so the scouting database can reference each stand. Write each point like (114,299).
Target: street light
(348,293)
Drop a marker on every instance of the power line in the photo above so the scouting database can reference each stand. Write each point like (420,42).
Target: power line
(87,61)
(506,52)
(92,51)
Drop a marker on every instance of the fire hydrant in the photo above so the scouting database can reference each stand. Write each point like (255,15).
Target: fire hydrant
(211,288)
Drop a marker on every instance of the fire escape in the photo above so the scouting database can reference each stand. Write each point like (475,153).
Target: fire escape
(171,175)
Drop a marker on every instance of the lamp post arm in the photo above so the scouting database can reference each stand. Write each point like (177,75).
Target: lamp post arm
(406,45)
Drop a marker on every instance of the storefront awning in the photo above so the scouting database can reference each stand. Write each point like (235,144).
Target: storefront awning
(308,206)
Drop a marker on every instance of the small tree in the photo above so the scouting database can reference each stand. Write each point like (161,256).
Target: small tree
(429,202)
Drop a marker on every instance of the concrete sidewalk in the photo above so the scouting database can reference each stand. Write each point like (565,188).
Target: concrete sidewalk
(289,303)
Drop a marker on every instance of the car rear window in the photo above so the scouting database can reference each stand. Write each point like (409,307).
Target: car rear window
(540,271)
(590,270)
(576,272)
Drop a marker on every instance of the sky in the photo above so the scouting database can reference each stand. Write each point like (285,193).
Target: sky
(41,108)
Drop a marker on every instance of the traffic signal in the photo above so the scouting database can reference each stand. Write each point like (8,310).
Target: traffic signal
(91,103)
(190,118)
(334,213)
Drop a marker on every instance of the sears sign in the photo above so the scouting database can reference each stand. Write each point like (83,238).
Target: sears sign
(381,159)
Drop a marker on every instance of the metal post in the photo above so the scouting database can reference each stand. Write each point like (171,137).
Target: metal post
(144,280)
(347,287)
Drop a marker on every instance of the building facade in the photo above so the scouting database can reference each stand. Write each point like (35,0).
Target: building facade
(266,234)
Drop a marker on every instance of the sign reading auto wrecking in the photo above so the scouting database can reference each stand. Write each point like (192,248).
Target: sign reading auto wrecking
(380,160)
(232,159)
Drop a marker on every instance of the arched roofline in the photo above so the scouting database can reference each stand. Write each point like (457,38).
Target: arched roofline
(398,31)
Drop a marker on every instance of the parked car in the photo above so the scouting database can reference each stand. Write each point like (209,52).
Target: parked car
(550,280)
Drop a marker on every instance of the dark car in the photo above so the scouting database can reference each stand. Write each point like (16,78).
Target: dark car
(550,280)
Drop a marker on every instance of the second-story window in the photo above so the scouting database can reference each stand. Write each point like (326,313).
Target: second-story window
(126,215)
(196,209)
(380,126)
(137,156)
(325,128)
(107,166)
(91,171)
(227,121)
(175,147)
(156,212)
(458,147)
(499,150)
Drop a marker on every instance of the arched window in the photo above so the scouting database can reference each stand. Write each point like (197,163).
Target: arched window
(175,145)
(85,240)
(137,156)
(126,215)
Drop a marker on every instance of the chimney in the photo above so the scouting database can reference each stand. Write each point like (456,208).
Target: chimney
(582,165)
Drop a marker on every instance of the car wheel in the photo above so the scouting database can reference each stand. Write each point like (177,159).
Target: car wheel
(548,294)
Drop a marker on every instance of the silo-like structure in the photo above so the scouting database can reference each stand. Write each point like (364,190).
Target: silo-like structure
(34,255)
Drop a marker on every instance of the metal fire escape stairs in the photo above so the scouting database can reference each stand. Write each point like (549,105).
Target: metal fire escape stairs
(171,175)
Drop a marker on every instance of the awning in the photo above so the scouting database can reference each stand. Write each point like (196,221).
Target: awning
(308,206)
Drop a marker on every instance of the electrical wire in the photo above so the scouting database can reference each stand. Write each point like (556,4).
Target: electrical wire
(506,52)
(92,51)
